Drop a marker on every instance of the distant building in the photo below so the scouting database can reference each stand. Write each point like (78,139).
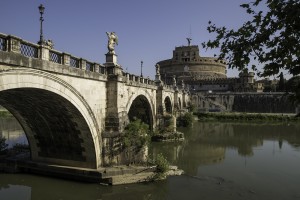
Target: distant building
(187,64)
(269,85)
(204,74)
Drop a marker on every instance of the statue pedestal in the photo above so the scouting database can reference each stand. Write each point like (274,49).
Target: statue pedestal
(157,77)
(111,58)
(113,68)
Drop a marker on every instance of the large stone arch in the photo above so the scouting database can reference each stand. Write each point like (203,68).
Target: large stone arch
(144,99)
(59,124)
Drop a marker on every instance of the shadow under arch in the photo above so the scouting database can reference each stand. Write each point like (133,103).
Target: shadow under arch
(168,105)
(140,108)
(57,121)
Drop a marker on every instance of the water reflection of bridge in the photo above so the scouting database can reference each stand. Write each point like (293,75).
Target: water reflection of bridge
(206,142)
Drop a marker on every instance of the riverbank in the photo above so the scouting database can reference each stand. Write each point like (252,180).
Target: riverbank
(235,116)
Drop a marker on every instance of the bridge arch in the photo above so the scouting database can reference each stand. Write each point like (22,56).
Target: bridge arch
(168,105)
(58,122)
(141,106)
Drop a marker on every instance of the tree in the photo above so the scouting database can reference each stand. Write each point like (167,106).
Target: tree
(271,37)
(3,145)
(293,85)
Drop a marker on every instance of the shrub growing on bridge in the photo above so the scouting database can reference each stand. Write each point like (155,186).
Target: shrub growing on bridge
(135,138)
(186,120)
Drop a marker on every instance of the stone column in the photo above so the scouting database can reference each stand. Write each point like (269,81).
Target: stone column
(97,68)
(14,44)
(66,59)
(82,64)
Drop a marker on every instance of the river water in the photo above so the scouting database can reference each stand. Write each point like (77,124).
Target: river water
(220,160)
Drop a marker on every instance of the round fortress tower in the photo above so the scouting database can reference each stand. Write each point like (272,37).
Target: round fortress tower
(187,64)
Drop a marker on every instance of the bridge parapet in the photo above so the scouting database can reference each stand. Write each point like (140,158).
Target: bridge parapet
(14,44)
(139,81)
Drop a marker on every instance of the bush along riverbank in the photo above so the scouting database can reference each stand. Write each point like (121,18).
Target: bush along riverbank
(246,117)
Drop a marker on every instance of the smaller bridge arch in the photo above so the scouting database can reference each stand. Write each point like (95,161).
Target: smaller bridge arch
(141,109)
(141,106)
(168,105)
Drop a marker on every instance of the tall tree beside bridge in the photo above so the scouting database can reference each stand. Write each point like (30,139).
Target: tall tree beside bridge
(271,38)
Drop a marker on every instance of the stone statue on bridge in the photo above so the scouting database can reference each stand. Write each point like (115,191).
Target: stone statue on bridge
(157,69)
(112,41)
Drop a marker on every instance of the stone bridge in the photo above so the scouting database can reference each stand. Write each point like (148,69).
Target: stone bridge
(72,110)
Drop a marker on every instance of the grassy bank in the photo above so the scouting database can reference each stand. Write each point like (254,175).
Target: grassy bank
(246,117)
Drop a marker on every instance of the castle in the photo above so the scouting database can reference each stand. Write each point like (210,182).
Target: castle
(202,74)
(205,78)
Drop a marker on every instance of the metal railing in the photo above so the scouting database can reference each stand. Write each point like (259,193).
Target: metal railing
(3,43)
(55,57)
(89,67)
(74,62)
(29,50)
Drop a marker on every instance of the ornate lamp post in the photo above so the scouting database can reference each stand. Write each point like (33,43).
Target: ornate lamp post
(141,68)
(41,9)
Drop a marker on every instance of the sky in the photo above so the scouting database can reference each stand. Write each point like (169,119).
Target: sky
(148,30)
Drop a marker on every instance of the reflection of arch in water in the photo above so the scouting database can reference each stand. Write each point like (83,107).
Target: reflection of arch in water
(197,154)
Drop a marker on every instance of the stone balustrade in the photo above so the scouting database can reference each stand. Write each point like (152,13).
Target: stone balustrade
(137,80)
(45,52)
(14,44)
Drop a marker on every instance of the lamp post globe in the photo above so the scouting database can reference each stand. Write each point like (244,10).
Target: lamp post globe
(41,9)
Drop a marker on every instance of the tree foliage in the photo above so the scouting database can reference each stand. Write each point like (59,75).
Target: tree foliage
(3,145)
(186,119)
(136,135)
(293,85)
(162,164)
(271,37)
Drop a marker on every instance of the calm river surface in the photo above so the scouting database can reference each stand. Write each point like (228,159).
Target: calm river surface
(221,161)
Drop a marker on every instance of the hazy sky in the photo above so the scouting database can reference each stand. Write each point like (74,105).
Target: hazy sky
(148,30)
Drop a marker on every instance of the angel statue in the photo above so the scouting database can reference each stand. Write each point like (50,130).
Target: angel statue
(157,69)
(112,41)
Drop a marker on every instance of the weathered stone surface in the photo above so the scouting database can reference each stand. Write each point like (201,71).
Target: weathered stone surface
(264,102)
